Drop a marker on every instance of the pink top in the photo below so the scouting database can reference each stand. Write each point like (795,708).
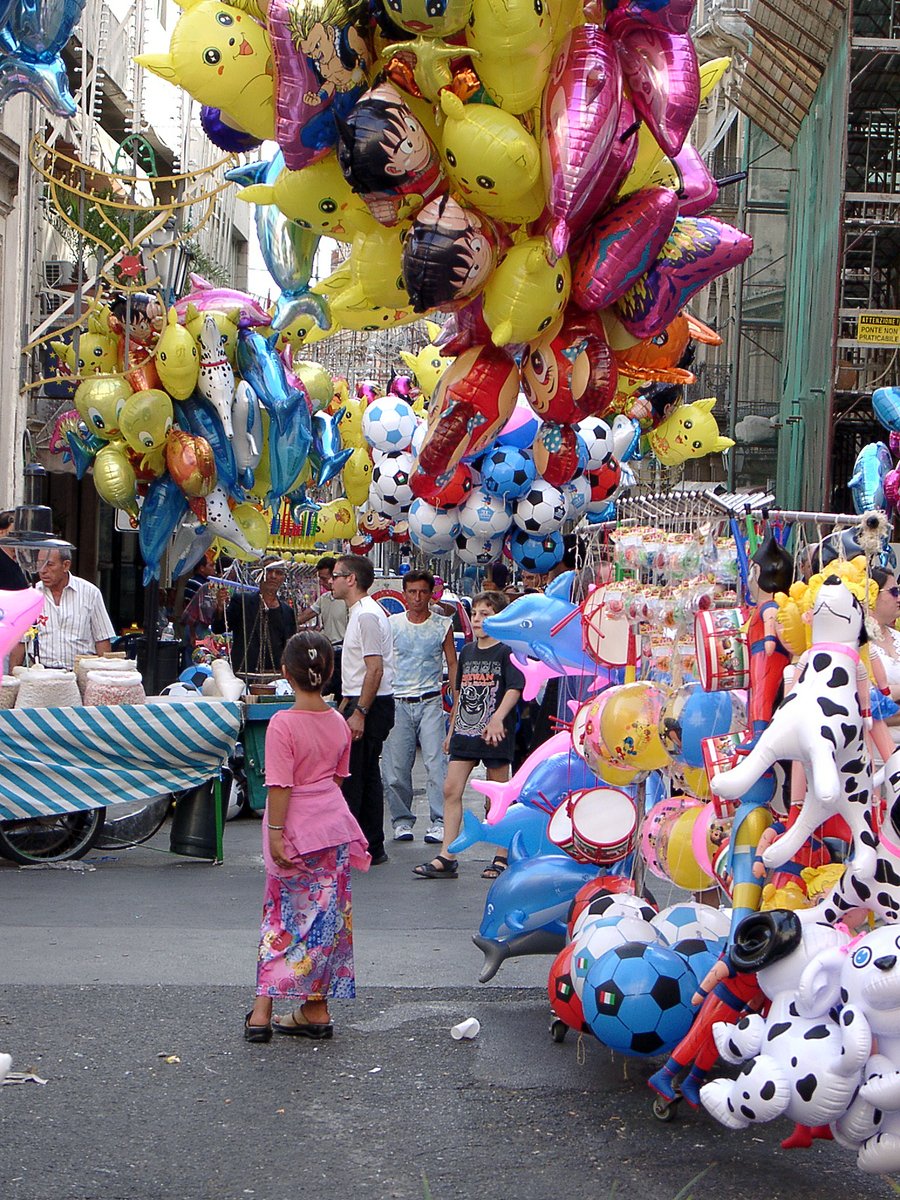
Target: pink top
(304,751)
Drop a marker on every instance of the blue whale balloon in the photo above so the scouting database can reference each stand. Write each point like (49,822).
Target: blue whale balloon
(866,484)
(32,36)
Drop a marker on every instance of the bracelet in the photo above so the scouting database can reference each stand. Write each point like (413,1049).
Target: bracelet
(268,826)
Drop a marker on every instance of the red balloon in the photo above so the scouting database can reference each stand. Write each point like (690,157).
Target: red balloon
(564,1000)
(604,480)
(603,884)
(472,402)
(555,451)
(445,491)
(569,373)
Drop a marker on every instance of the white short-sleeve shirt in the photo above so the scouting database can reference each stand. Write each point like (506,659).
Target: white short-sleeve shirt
(368,633)
(74,626)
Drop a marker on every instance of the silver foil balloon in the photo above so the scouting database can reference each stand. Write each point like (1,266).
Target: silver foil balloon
(32,35)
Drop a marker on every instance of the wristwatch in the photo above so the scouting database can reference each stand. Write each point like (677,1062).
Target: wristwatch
(362,708)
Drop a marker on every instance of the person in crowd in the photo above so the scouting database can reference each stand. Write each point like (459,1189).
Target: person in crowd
(368,703)
(483,729)
(74,620)
(310,841)
(261,624)
(885,645)
(423,642)
(12,577)
(202,572)
(192,622)
(332,616)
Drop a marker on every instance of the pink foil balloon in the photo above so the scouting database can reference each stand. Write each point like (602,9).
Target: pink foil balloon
(622,246)
(502,795)
(662,72)
(697,190)
(674,15)
(579,116)
(894,444)
(698,251)
(619,162)
(891,485)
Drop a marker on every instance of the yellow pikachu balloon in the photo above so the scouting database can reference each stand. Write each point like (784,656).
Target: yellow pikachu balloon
(336,519)
(690,432)
(115,480)
(177,359)
(493,163)
(223,58)
(357,476)
(515,41)
(226,323)
(255,528)
(100,400)
(565,15)
(350,423)
(146,419)
(427,366)
(526,293)
(376,269)
(318,198)
(301,332)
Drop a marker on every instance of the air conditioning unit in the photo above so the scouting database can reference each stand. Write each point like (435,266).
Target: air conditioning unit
(58,272)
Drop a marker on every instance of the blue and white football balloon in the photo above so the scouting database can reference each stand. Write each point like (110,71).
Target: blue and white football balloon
(478,552)
(541,510)
(484,516)
(637,999)
(432,530)
(507,471)
(691,920)
(539,554)
(390,492)
(389,423)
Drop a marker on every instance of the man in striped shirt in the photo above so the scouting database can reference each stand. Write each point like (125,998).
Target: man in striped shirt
(74,621)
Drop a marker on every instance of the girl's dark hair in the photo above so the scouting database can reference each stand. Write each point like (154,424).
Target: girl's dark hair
(308,660)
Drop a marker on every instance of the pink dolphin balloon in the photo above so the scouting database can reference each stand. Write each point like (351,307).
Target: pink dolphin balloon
(18,611)
(699,250)
(697,190)
(502,795)
(891,485)
(537,673)
(674,15)
(580,114)
(206,297)
(662,72)
(622,246)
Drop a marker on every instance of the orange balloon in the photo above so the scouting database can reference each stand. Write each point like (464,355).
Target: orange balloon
(191,463)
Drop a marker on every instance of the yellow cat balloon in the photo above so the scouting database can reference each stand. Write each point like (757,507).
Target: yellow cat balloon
(690,432)
(318,198)
(515,41)
(526,293)
(223,58)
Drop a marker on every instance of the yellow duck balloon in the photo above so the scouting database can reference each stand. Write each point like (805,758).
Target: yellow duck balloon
(145,421)
(690,432)
(177,359)
(100,400)
(223,58)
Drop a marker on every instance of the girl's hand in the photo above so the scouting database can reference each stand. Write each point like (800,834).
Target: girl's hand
(495,732)
(446,744)
(277,850)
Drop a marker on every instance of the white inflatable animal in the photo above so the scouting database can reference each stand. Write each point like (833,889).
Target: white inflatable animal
(821,724)
(802,1065)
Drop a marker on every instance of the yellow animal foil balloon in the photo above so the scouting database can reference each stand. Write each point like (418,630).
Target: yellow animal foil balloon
(494,164)
(357,475)
(226,323)
(336,519)
(690,432)
(177,359)
(316,380)
(318,198)
(223,58)
(515,41)
(146,420)
(376,270)
(100,400)
(350,423)
(427,366)
(526,293)
(115,480)
(255,528)
(432,18)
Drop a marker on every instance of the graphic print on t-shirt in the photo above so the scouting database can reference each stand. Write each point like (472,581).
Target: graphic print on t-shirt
(477,700)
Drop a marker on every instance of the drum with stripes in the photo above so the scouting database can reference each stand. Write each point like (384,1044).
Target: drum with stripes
(604,824)
(723,652)
(560,831)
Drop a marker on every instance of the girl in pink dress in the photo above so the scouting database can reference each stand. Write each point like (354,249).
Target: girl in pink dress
(310,841)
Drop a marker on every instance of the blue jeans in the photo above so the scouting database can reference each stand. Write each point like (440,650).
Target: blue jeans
(421,722)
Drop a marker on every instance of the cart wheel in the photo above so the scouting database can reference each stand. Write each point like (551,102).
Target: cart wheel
(664,1110)
(51,839)
(558,1030)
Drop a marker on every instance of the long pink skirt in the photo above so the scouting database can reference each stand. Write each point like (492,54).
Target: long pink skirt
(306,938)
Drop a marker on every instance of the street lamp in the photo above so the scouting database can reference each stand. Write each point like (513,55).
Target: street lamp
(32,532)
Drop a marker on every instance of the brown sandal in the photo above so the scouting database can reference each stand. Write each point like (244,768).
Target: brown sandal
(297,1024)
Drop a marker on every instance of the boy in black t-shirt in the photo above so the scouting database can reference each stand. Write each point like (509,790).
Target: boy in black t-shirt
(483,728)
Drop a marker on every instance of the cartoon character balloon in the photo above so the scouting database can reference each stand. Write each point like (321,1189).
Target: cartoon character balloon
(568,373)
(514,39)
(177,359)
(526,292)
(690,432)
(448,255)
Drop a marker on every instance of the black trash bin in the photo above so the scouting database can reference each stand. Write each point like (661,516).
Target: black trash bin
(168,660)
(193,832)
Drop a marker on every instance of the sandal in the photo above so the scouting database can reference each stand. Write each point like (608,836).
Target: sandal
(495,868)
(448,869)
(297,1024)
(256,1033)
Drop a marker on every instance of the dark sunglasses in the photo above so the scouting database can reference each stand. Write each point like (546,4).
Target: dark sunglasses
(894,591)
(341,575)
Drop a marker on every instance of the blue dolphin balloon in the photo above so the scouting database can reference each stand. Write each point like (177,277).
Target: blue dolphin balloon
(288,452)
(164,506)
(552,780)
(886,406)
(866,484)
(520,821)
(327,456)
(260,365)
(83,449)
(536,626)
(32,35)
(198,418)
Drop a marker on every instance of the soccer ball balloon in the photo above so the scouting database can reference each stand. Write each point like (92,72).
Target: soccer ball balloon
(479,552)
(196,675)
(577,493)
(564,1000)
(389,423)
(701,956)
(389,492)
(432,529)
(541,510)
(603,933)
(484,516)
(688,920)
(637,999)
(610,905)
(598,438)
(507,471)
(538,554)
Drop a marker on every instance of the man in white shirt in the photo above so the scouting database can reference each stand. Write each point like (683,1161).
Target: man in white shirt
(423,640)
(74,620)
(368,703)
(332,616)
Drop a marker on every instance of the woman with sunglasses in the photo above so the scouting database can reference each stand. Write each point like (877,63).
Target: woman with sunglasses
(886,642)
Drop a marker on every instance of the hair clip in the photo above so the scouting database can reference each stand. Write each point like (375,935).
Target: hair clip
(312,653)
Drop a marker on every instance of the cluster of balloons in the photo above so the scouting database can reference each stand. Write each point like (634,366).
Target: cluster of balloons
(875,480)
(521,165)
(193,422)
(32,36)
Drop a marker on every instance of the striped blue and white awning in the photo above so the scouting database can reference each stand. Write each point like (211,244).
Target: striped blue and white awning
(60,760)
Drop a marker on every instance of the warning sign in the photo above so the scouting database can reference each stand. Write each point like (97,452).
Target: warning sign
(878,328)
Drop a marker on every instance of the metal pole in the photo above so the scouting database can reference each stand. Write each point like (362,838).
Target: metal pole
(738,309)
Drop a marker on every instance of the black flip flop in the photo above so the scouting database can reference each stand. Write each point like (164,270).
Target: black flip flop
(429,871)
(256,1033)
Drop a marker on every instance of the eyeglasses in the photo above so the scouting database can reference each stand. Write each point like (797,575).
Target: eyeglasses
(893,591)
(340,575)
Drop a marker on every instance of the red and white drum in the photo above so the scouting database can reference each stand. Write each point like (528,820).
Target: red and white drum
(560,831)
(604,824)
(720,754)
(723,652)
(605,629)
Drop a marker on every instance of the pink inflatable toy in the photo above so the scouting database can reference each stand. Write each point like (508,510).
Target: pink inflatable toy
(18,611)
(502,795)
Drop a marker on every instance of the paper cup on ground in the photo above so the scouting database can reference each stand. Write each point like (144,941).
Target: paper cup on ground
(467,1029)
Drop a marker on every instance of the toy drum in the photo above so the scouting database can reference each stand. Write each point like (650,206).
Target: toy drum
(723,653)
(560,831)
(605,630)
(604,824)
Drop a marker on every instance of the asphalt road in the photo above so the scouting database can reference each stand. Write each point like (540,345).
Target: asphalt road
(125,988)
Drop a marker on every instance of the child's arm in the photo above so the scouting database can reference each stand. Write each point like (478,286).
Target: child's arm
(495,731)
(455,709)
(276,812)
